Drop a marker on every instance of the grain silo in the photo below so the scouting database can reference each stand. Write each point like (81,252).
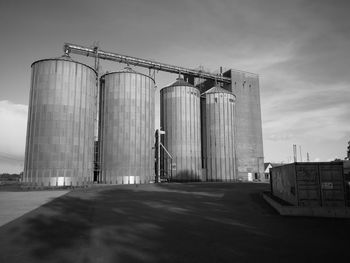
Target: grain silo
(180,119)
(127,127)
(61,118)
(218,111)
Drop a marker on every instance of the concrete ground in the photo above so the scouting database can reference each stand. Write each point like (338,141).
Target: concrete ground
(209,222)
(16,204)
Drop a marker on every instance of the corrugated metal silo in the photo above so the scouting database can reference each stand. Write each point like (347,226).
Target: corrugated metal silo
(218,111)
(127,127)
(61,118)
(180,119)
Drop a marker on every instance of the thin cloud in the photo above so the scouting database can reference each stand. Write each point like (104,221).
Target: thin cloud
(13,120)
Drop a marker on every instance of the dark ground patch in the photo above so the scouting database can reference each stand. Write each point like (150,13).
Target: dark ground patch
(192,222)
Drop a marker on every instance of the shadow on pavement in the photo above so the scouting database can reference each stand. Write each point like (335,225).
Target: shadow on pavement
(167,223)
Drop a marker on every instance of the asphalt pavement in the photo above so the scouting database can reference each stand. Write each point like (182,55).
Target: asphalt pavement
(193,222)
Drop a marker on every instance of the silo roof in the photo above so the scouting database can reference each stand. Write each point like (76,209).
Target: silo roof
(65,58)
(217,89)
(180,82)
(127,69)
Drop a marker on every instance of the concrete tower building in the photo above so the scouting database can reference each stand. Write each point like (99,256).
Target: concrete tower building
(248,132)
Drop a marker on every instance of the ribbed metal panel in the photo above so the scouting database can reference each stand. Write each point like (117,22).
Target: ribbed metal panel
(60,132)
(218,129)
(127,128)
(180,119)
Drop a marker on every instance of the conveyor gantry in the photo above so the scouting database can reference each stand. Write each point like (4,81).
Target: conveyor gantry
(95,52)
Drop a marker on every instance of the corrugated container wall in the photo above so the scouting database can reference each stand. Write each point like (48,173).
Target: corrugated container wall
(309,184)
(61,119)
(218,134)
(127,127)
(180,119)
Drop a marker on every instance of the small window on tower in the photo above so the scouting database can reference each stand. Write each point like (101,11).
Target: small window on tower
(216,100)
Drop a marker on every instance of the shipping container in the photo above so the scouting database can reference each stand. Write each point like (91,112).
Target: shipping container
(309,184)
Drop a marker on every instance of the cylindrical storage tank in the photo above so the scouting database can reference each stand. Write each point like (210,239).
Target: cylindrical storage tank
(218,126)
(180,119)
(61,119)
(127,127)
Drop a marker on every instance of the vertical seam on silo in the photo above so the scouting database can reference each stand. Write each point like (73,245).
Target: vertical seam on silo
(211,107)
(166,103)
(195,144)
(230,112)
(29,129)
(223,137)
(190,133)
(33,124)
(133,127)
(37,135)
(232,134)
(86,132)
(122,85)
(139,113)
(235,170)
(199,136)
(152,121)
(102,130)
(80,113)
(227,123)
(194,141)
(48,141)
(185,130)
(67,123)
(227,143)
(137,125)
(205,139)
(217,138)
(228,157)
(174,125)
(130,158)
(130,127)
(145,151)
(34,156)
(150,134)
(208,122)
(58,90)
(74,162)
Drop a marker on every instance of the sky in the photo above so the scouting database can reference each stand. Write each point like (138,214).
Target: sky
(299,48)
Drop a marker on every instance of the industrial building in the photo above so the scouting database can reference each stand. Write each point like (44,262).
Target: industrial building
(84,127)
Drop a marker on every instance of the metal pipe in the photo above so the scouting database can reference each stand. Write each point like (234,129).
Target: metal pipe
(86,51)
(158,157)
(161,144)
